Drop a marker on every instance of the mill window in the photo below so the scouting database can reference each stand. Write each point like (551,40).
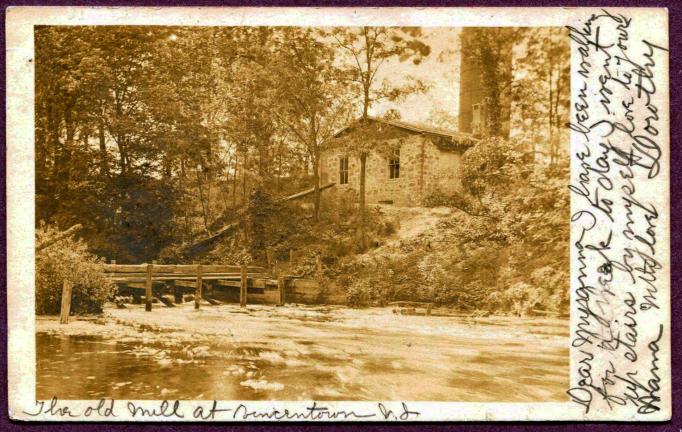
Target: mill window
(394,165)
(343,170)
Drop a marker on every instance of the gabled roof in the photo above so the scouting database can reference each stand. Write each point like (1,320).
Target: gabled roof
(445,139)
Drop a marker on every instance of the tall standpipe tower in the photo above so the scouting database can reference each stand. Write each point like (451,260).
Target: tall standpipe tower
(484,100)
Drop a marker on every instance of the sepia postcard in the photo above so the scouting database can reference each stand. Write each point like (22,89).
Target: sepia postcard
(338,214)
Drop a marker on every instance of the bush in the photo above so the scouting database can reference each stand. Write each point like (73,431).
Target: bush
(436,198)
(358,295)
(70,259)
(459,200)
(523,298)
(382,225)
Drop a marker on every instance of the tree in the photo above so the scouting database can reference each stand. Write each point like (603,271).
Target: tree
(68,81)
(315,101)
(443,118)
(248,101)
(95,81)
(189,71)
(392,115)
(368,49)
(542,91)
(55,264)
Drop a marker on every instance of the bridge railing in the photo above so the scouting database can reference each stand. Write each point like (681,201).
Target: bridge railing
(143,276)
(148,273)
(167,272)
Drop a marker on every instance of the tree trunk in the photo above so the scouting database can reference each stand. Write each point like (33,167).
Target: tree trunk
(263,163)
(122,152)
(53,133)
(70,127)
(183,178)
(244,183)
(58,237)
(557,122)
(104,166)
(316,186)
(41,142)
(314,150)
(362,228)
(278,186)
(202,198)
(235,179)
(551,116)
(85,138)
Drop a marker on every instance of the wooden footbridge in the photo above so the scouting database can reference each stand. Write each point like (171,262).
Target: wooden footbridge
(155,283)
(155,279)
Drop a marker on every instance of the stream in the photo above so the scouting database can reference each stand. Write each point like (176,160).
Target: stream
(321,355)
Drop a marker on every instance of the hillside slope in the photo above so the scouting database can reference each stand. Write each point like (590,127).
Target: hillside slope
(448,257)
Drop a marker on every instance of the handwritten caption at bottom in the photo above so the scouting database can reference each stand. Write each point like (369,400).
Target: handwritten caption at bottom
(111,409)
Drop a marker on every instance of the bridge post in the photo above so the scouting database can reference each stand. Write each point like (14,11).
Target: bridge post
(197,291)
(66,302)
(281,288)
(242,287)
(148,289)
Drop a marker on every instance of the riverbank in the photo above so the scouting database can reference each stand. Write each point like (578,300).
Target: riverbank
(302,352)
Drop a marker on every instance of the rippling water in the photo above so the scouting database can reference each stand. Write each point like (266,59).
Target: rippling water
(322,360)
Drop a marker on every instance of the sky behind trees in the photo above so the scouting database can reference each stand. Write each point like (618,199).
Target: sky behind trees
(439,70)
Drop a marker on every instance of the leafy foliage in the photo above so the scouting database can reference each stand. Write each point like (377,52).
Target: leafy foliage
(524,229)
(316,101)
(70,260)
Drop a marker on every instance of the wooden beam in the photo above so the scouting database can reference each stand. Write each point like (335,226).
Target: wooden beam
(251,283)
(186,284)
(148,289)
(67,287)
(206,241)
(307,192)
(281,286)
(227,229)
(166,301)
(142,277)
(61,236)
(197,292)
(242,288)
(171,269)
(212,300)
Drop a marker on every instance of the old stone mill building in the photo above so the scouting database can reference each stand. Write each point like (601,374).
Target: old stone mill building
(408,165)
